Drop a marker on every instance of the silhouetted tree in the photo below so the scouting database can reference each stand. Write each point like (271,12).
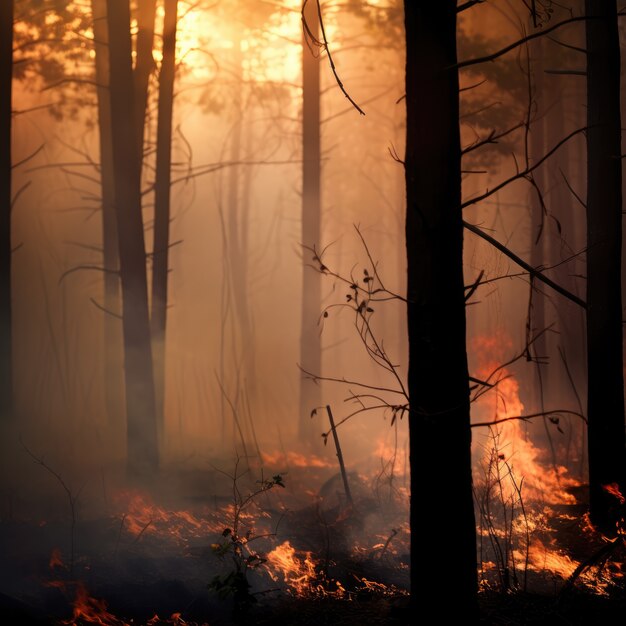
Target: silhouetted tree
(605,407)
(142,450)
(113,378)
(439,418)
(144,64)
(160,258)
(6,79)
(310,345)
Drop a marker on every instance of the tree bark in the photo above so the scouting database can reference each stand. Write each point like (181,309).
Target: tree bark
(439,417)
(142,449)
(539,230)
(144,65)
(6,79)
(160,258)
(238,227)
(605,404)
(310,344)
(113,359)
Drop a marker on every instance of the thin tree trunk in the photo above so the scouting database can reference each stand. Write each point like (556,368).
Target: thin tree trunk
(142,449)
(539,227)
(238,220)
(144,65)
(162,186)
(6,79)
(439,419)
(113,359)
(310,345)
(605,410)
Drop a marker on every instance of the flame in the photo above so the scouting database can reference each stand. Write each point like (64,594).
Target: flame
(56,559)
(294,459)
(547,558)
(299,574)
(613,489)
(142,516)
(516,452)
(91,611)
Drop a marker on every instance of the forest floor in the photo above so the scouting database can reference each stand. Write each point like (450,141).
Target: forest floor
(149,555)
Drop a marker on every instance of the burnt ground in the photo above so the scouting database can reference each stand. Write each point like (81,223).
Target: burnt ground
(142,557)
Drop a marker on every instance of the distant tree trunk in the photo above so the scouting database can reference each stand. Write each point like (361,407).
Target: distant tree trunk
(6,78)
(160,258)
(605,409)
(140,403)
(238,221)
(539,227)
(144,64)
(113,360)
(439,419)
(310,345)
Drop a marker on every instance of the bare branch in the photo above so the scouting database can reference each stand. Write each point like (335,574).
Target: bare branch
(524,173)
(523,418)
(324,44)
(535,273)
(520,42)
(79,268)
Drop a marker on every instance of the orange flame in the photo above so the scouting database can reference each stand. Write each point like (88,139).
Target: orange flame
(294,459)
(297,573)
(613,489)
(515,449)
(142,517)
(55,559)
(91,611)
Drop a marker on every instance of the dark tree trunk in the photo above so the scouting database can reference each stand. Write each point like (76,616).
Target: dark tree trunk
(144,65)
(142,449)
(539,229)
(162,186)
(310,345)
(443,528)
(113,359)
(605,408)
(6,77)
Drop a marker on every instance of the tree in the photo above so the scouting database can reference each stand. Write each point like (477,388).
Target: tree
(142,449)
(113,384)
(438,384)
(6,79)
(310,348)
(144,65)
(160,253)
(605,401)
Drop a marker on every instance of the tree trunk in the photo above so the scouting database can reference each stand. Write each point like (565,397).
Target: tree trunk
(160,258)
(140,403)
(238,225)
(443,528)
(605,404)
(6,78)
(310,345)
(113,359)
(144,65)
(539,229)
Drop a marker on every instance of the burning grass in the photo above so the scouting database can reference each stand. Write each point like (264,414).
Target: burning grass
(146,558)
